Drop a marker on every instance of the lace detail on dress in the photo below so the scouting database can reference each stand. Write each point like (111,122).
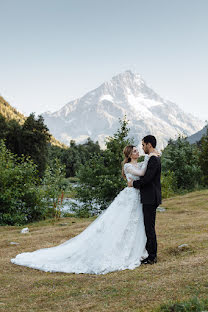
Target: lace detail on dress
(134,172)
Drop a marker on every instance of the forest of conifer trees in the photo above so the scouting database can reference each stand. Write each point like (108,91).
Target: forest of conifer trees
(34,174)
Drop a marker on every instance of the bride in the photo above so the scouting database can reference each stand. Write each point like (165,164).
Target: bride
(114,241)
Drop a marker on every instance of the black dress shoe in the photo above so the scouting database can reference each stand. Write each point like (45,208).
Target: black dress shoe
(149,261)
(144,260)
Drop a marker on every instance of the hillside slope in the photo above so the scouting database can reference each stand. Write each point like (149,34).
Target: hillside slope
(196,137)
(10,112)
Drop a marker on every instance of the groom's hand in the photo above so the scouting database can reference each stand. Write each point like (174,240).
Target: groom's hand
(130,183)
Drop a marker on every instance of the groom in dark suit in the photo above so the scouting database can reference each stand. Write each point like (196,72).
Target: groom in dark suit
(150,190)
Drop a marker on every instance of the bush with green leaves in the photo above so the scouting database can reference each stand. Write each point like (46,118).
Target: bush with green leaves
(100,178)
(54,184)
(182,159)
(168,184)
(21,198)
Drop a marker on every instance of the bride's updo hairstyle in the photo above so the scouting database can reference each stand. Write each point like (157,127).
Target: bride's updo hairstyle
(127,153)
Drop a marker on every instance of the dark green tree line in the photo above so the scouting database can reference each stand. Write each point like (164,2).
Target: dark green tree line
(180,160)
(203,157)
(30,139)
(74,156)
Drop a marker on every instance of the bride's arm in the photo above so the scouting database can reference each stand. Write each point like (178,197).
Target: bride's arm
(140,171)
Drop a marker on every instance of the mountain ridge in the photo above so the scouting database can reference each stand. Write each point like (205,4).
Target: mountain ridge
(196,137)
(96,114)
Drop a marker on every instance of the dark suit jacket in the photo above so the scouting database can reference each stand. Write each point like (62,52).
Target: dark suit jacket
(149,184)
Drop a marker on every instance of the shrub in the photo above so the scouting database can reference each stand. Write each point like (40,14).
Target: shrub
(168,184)
(21,198)
(54,184)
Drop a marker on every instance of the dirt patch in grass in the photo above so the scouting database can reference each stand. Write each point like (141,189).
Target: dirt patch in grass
(179,274)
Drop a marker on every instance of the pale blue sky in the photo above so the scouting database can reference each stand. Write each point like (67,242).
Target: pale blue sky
(53,51)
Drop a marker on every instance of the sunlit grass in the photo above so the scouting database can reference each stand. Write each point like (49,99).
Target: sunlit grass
(179,275)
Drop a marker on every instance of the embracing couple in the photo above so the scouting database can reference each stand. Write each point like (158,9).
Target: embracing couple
(150,192)
(123,236)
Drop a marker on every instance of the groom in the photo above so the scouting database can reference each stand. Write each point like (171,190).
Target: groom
(150,189)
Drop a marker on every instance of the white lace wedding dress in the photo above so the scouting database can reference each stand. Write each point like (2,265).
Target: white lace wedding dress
(114,241)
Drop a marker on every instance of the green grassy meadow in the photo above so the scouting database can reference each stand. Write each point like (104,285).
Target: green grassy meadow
(179,275)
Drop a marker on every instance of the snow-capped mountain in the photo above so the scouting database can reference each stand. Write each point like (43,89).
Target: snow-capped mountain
(96,114)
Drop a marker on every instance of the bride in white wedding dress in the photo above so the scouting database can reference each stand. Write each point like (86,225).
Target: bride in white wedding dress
(114,241)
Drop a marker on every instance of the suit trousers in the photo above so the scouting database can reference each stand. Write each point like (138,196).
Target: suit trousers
(149,212)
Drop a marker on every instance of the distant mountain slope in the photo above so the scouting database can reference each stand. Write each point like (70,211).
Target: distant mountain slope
(10,112)
(197,136)
(96,114)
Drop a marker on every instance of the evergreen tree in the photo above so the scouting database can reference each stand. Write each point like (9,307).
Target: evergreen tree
(14,137)
(182,159)
(11,132)
(3,127)
(35,140)
(203,157)
(100,177)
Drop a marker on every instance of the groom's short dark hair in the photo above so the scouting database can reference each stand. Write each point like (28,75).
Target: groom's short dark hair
(150,139)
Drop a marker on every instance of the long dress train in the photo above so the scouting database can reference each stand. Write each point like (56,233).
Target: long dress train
(114,241)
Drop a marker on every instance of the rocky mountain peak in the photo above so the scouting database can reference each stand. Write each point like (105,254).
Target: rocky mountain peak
(96,114)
